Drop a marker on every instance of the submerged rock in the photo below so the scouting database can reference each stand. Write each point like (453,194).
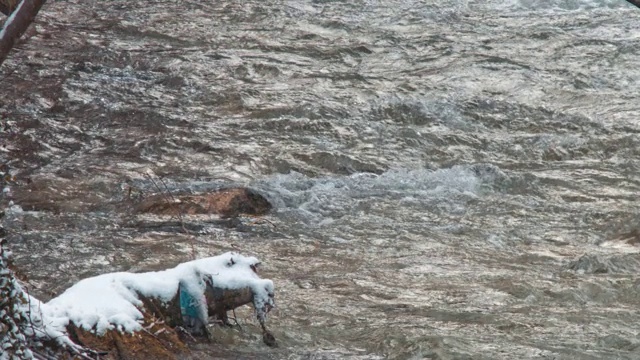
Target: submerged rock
(230,202)
(602,264)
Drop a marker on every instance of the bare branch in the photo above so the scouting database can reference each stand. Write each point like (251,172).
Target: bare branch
(17,24)
(7,6)
(166,193)
(634,2)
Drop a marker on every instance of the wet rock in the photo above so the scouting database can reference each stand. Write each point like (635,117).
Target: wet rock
(230,202)
(338,164)
(591,264)
(602,264)
(173,81)
(614,341)
(631,237)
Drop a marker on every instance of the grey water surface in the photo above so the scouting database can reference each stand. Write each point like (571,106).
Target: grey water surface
(449,177)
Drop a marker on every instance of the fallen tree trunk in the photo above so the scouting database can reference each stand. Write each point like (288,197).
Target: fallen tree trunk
(132,315)
(162,336)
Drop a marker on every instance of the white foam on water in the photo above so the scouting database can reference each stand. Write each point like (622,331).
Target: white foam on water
(319,199)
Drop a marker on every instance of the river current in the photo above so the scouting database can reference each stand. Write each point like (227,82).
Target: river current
(450,179)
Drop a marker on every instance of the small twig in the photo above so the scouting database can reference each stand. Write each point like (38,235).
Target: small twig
(166,188)
(39,356)
(207,333)
(82,354)
(26,290)
(160,191)
(235,318)
(257,221)
(184,331)
(152,334)
(180,218)
(168,196)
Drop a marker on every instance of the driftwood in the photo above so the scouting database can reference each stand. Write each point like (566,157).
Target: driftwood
(230,202)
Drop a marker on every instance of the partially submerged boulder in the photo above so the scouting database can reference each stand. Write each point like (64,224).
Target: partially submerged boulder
(229,202)
(142,316)
(606,264)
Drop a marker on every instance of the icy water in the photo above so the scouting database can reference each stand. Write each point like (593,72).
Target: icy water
(451,179)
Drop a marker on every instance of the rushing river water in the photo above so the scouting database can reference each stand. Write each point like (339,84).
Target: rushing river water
(449,177)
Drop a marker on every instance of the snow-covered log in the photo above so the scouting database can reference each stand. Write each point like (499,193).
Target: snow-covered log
(113,301)
(135,315)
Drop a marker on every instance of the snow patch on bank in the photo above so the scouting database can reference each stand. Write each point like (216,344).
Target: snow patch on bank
(111,301)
